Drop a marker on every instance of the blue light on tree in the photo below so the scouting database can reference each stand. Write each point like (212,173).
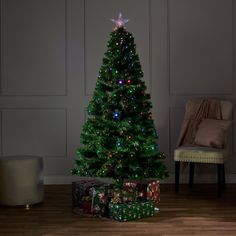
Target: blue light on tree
(119,143)
(116,115)
(154,147)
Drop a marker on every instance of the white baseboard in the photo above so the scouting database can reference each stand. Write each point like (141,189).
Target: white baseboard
(61,180)
(200,179)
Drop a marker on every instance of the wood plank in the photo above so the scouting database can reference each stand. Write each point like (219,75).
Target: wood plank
(197,211)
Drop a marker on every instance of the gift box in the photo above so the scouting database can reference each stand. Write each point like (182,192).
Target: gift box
(100,200)
(146,189)
(131,211)
(86,206)
(81,198)
(142,190)
(153,191)
(124,195)
(129,192)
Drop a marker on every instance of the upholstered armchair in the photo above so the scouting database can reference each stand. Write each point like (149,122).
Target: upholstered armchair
(198,154)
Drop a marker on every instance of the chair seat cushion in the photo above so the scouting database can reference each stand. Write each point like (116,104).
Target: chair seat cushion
(200,154)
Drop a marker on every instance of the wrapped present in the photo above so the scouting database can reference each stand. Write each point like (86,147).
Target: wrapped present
(142,190)
(147,189)
(116,196)
(124,195)
(131,211)
(99,200)
(129,192)
(81,200)
(153,191)
(87,206)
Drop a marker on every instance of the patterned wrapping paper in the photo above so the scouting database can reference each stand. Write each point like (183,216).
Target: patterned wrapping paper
(153,191)
(125,195)
(147,189)
(86,206)
(81,200)
(131,211)
(129,192)
(142,190)
(93,197)
(100,200)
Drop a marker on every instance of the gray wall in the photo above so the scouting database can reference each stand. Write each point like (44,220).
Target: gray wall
(51,51)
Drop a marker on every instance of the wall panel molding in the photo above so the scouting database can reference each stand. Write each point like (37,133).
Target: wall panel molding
(176,114)
(150,44)
(1,137)
(7,88)
(27,128)
(79,30)
(171,37)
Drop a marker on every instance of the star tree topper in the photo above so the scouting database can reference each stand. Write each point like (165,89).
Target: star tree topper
(120,22)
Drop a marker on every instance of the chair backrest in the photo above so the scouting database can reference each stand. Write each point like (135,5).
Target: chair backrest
(227,114)
(226,109)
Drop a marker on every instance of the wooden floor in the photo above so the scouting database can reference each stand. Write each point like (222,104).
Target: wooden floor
(195,212)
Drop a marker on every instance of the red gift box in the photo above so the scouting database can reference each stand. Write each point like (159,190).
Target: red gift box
(129,192)
(87,206)
(142,190)
(146,189)
(153,191)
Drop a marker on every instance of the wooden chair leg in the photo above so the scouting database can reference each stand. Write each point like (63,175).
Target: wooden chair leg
(219,174)
(191,174)
(223,176)
(177,170)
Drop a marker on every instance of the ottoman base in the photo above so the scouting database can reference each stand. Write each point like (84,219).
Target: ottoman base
(21,180)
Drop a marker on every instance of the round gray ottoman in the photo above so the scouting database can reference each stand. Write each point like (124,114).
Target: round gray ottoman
(21,180)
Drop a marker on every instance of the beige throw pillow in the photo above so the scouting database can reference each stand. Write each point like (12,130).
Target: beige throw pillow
(212,133)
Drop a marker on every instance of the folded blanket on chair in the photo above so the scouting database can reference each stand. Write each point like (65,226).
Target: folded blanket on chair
(195,111)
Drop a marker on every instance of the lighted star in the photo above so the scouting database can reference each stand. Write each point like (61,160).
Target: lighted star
(120,22)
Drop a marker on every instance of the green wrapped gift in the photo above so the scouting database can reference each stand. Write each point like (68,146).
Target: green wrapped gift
(131,211)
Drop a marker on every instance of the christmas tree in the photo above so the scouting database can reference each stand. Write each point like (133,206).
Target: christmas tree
(119,137)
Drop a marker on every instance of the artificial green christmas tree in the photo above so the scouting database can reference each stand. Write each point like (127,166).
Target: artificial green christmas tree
(119,137)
